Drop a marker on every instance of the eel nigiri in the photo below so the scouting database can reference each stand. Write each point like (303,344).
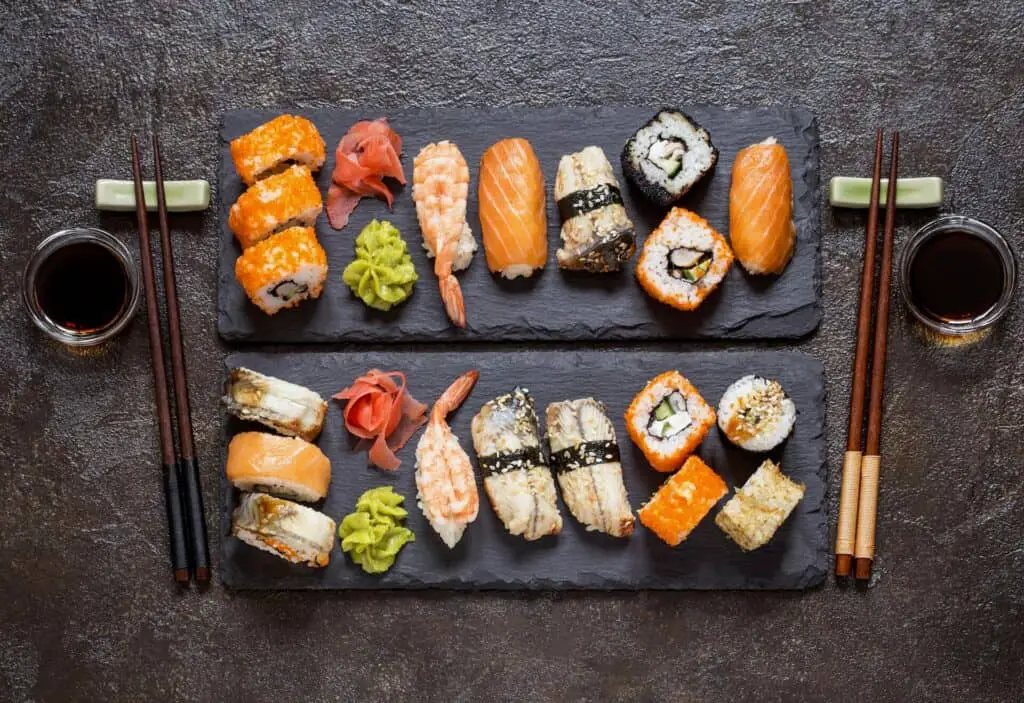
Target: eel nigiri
(761,208)
(585,456)
(513,216)
(506,436)
(440,189)
(444,475)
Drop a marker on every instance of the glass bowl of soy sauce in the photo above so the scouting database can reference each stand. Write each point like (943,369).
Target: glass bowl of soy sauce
(81,286)
(957,275)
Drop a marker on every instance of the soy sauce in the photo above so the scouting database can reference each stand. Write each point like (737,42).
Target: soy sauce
(956,276)
(82,287)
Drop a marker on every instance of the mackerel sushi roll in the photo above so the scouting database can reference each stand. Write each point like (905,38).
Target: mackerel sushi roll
(506,437)
(667,156)
(283,270)
(756,414)
(683,260)
(597,234)
(668,420)
(585,457)
(287,199)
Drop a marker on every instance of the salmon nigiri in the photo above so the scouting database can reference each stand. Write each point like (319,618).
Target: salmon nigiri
(761,208)
(513,216)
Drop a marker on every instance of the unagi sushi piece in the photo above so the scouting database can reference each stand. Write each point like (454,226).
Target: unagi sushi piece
(683,260)
(761,208)
(506,436)
(668,420)
(756,414)
(682,501)
(445,482)
(667,156)
(283,270)
(597,234)
(288,467)
(440,189)
(513,213)
(284,140)
(288,530)
(585,457)
(289,408)
(753,516)
(287,199)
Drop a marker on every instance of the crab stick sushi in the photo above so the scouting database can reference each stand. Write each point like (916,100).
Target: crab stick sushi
(683,260)
(682,502)
(756,414)
(283,270)
(513,212)
(761,208)
(668,420)
(287,199)
(286,139)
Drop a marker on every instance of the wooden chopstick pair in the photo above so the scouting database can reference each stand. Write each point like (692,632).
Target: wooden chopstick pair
(190,557)
(858,498)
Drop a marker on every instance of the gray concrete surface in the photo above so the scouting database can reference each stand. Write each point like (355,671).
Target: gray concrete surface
(87,611)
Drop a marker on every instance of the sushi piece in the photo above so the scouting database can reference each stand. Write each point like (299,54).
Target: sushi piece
(445,484)
(597,234)
(440,188)
(368,153)
(284,140)
(585,457)
(506,437)
(289,530)
(683,260)
(761,208)
(513,214)
(283,270)
(285,407)
(287,199)
(755,513)
(287,467)
(756,414)
(682,502)
(667,156)
(668,420)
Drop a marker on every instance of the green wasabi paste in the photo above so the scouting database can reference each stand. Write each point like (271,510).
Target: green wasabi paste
(382,274)
(374,533)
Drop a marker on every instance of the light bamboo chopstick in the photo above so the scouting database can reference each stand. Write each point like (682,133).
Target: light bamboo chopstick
(867,507)
(846,530)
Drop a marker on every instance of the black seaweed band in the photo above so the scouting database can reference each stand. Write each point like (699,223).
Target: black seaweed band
(581,202)
(585,454)
(512,461)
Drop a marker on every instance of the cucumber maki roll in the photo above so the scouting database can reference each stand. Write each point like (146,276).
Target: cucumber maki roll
(667,156)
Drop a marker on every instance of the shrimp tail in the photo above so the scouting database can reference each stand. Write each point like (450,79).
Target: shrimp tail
(454,396)
(451,294)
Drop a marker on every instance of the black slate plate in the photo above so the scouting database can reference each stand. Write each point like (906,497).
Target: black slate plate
(488,557)
(594,306)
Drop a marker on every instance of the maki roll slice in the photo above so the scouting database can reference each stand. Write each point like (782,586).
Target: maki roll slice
(683,260)
(756,414)
(291,531)
(755,513)
(288,408)
(667,156)
(287,199)
(271,147)
(682,502)
(283,270)
(597,234)
(668,419)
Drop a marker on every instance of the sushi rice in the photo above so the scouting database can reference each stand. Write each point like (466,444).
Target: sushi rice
(756,414)
(667,156)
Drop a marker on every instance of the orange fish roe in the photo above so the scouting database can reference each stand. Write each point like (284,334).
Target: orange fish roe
(682,501)
(278,258)
(289,196)
(284,138)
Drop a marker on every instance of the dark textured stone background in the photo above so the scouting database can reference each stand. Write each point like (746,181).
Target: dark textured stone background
(88,611)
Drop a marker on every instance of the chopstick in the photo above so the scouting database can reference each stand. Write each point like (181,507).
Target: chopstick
(172,484)
(867,508)
(848,495)
(189,466)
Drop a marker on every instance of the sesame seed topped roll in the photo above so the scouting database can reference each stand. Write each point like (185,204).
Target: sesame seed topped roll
(283,270)
(285,139)
(284,200)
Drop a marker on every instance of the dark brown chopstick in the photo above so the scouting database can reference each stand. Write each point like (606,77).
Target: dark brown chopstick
(867,507)
(189,467)
(850,490)
(172,486)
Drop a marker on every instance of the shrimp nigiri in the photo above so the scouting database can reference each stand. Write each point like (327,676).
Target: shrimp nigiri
(761,208)
(445,482)
(440,188)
